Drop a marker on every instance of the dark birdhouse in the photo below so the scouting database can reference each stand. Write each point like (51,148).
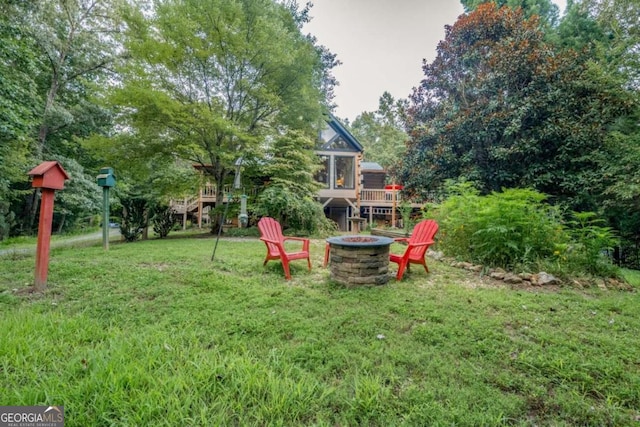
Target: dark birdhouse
(106,178)
(48,175)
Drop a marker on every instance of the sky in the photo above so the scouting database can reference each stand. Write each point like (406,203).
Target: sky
(381,44)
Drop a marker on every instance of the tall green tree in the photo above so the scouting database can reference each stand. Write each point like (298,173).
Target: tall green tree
(208,82)
(59,52)
(381,132)
(606,32)
(19,99)
(502,107)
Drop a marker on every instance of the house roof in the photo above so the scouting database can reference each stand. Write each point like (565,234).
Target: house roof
(342,131)
(371,167)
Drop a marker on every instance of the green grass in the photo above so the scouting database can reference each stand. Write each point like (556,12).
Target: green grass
(631,276)
(154,333)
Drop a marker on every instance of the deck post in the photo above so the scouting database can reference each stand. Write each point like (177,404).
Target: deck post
(184,215)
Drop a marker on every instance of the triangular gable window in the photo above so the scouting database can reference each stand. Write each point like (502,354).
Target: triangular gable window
(336,143)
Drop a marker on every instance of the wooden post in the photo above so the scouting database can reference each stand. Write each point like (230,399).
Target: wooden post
(44,239)
(393,209)
(200,208)
(184,214)
(48,176)
(106,179)
(105,218)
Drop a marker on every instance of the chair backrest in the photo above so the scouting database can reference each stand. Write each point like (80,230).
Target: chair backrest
(270,229)
(424,231)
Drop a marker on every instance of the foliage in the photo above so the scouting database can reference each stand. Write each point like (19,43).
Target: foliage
(593,244)
(546,10)
(58,53)
(6,219)
(18,101)
(502,107)
(156,334)
(381,132)
(289,195)
(293,210)
(134,217)
(163,219)
(81,197)
(516,229)
(208,82)
(291,163)
(513,228)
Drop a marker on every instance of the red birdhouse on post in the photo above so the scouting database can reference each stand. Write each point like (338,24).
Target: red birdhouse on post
(48,176)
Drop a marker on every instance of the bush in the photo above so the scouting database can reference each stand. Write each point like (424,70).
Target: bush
(509,229)
(134,217)
(592,245)
(163,220)
(516,229)
(299,213)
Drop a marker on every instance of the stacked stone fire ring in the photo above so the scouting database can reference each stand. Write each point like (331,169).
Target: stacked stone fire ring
(359,260)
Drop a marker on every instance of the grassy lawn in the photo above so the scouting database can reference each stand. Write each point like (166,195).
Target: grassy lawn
(155,334)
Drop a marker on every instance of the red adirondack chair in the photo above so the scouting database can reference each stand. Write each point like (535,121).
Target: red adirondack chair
(271,235)
(420,240)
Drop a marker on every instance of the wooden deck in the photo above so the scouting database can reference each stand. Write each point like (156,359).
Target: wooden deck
(372,202)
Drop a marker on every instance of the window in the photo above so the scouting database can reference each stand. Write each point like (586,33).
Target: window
(344,173)
(322,176)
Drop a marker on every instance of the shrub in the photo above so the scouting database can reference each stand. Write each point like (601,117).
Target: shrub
(516,229)
(507,229)
(163,220)
(294,211)
(592,244)
(134,217)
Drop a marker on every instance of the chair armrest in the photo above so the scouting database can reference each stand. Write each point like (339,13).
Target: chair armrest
(302,239)
(268,240)
(305,242)
(427,243)
(401,239)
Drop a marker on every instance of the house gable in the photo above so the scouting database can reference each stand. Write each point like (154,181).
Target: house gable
(335,137)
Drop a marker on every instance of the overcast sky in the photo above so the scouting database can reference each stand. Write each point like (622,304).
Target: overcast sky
(381,44)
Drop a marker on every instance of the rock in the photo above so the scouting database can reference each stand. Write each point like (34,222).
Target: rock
(466,265)
(477,268)
(602,285)
(498,275)
(545,279)
(512,279)
(526,276)
(437,255)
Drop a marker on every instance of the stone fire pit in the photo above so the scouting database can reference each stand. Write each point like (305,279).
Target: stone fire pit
(359,260)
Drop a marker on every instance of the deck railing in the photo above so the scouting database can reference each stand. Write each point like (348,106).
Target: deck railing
(379,196)
(369,197)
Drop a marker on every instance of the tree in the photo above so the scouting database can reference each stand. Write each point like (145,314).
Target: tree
(607,34)
(545,10)
(208,82)
(381,132)
(18,104)
(289,195)
(502,107)
(58,50)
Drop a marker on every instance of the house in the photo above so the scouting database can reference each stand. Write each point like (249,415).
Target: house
(353,191)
